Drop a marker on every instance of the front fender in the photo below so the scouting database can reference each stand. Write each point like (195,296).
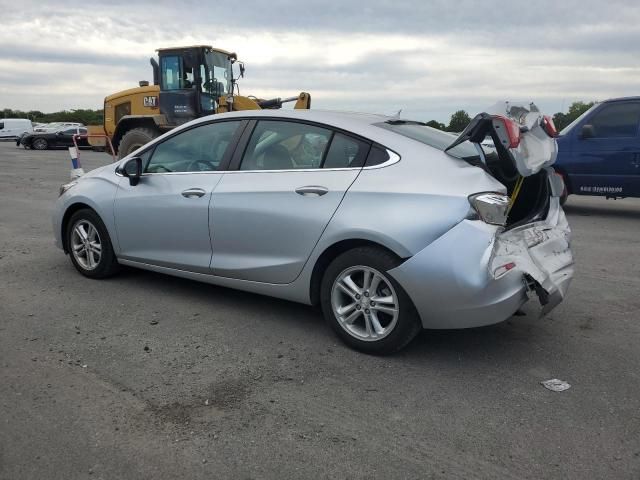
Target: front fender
(96,192)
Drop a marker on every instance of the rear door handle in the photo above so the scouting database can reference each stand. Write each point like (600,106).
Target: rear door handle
(312,191)
(193,193)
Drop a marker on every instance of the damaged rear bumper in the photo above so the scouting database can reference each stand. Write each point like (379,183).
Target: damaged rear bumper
(541,251)
(472,287)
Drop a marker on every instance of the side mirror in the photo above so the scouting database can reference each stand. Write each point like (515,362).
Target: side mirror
(241,69)
(132,170)
(587,131)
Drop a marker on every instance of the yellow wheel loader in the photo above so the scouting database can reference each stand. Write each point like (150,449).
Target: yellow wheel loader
(188,82)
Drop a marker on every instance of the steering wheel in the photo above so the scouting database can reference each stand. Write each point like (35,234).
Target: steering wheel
(208,166)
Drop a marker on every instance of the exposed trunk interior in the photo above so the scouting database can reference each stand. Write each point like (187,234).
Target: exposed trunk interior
(532,201)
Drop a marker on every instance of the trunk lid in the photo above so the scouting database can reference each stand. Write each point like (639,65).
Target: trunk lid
(522,137)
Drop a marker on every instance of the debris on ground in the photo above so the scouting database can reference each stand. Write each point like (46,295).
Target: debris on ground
(556,385)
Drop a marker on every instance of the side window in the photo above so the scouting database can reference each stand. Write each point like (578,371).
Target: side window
(198,149)
(345,152)
(617,120)
(122,110)
(70,131)
(377,155)
(280,145)
(171,73)
(1,125)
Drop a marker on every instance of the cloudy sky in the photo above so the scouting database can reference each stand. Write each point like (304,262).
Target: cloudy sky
(426,57)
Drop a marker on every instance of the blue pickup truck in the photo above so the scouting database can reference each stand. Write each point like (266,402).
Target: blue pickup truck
(599,152)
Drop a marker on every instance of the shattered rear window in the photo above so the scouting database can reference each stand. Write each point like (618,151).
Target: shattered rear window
(430,136)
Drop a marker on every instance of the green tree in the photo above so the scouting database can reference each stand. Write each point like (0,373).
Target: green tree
(86,116)
(459,121)
(576,109)
(436,124)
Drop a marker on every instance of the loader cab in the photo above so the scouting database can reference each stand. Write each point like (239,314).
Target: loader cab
(192,80)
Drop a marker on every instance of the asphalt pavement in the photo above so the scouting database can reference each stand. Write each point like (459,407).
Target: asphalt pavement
(149,376)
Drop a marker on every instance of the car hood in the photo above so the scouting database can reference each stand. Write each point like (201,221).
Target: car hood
(536,148)
(97,171)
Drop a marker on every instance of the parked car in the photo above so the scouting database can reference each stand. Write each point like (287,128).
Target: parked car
(599,153)
(60,138)
(56,126)
(12,128)
(366,215)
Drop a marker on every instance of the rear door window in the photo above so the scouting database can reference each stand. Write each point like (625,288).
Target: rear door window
(286,145)
(345,152)
(281,145)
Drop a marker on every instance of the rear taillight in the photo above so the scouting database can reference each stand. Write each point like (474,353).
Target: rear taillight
(548,126)
(500,271)
(508,131)
(491,207)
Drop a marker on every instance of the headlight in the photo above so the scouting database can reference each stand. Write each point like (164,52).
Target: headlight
(67,186)
(492,207)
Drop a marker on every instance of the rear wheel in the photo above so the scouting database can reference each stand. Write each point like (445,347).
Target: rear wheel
(39,144)
(364,305)
(134,139)
(89,245)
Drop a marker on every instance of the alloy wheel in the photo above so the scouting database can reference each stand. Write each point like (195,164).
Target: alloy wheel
(40,144)
(86,246)
(365,303)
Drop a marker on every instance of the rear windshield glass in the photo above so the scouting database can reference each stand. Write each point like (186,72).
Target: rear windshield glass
(430,136)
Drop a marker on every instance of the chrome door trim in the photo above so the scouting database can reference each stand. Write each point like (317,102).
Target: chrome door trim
(393,158)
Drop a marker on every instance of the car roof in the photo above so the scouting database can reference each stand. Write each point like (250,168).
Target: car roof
(621,99)
(356,122)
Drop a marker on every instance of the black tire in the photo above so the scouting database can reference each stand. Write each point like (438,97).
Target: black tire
(39,144)
(108,263)
(134,139)
(408,323)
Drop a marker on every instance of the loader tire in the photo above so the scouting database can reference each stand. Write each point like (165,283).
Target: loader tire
(134,139)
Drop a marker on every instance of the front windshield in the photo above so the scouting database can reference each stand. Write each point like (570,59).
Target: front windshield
(217,75)
(568,128)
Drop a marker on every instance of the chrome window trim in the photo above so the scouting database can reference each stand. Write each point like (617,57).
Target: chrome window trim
(393,158)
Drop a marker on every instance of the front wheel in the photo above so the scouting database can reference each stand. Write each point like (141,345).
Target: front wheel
(89,245)
(364,305)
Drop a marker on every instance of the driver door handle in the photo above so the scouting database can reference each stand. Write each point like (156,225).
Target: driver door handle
(312,191)
(193,193)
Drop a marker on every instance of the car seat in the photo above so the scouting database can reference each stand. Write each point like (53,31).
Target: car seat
(277,157)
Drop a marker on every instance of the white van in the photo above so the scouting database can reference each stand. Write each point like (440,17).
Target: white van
(14,127)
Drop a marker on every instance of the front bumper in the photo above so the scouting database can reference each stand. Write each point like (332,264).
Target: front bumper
(453,284)
(56,222)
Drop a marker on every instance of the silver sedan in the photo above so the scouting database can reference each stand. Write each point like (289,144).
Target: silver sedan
(389,225)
